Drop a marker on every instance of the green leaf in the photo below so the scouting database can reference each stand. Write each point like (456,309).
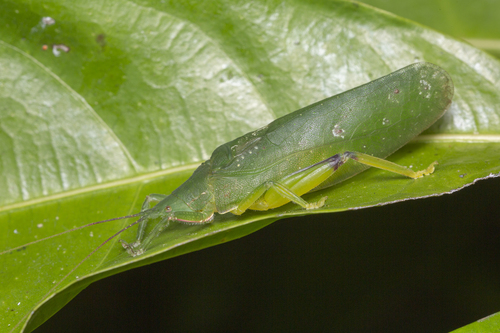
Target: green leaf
(459,18)
(488,324)
(476,22)
(148,90)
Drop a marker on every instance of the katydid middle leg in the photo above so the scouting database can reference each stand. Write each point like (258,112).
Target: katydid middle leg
(274,194)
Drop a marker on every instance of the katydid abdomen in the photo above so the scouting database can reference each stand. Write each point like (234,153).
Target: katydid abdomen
(375,119)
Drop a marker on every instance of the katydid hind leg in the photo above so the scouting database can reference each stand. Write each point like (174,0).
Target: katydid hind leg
(387,165)
(274,194)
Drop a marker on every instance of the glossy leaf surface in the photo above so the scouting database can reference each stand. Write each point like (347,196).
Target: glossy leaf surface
(148,90)
(476,22)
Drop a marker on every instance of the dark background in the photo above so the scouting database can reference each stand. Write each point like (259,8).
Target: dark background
(428,265)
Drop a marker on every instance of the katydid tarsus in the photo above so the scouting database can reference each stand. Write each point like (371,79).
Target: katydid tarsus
(308,150)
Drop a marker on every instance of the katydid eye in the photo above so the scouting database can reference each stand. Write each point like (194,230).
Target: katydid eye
(168,209)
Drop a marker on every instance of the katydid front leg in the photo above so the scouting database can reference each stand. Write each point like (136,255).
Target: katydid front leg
(154,197)
(169,208)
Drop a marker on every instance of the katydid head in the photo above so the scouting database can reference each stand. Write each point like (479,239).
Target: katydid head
(188,209)
(166,208)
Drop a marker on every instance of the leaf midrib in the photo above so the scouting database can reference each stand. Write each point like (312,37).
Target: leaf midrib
(430,138)
(126,181)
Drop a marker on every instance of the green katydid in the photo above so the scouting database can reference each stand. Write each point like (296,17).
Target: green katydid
(307,150)
(310,149)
